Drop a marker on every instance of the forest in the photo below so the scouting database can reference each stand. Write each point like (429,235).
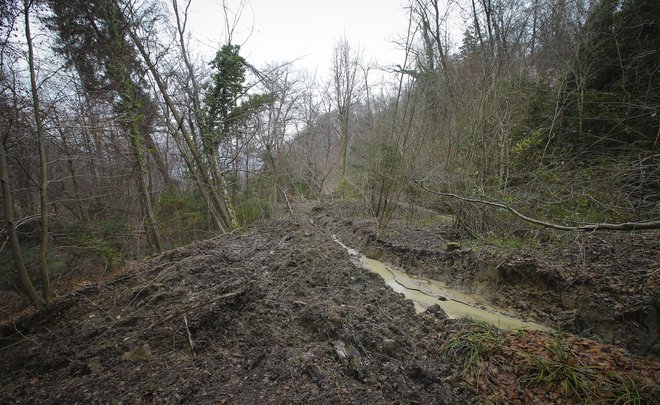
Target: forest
(536,135)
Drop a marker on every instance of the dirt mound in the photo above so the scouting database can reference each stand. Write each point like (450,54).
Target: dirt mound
(278,314)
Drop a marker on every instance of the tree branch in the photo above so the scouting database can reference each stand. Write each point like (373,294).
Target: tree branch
(625,226)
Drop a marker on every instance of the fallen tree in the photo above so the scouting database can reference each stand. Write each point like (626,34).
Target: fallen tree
(624,226)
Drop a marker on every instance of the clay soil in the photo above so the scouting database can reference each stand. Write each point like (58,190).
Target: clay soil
(279,314)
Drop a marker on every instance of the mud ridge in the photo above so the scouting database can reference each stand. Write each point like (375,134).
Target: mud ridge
(247,318)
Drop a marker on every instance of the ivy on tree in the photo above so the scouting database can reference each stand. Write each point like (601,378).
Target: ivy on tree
(224,93)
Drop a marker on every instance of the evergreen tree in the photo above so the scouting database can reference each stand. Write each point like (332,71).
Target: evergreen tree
(94,39)
(618,99)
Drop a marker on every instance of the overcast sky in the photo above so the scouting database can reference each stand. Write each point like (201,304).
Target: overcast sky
(286,30)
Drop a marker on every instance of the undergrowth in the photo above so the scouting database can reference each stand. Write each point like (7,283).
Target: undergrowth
(536,366)
(473,344)
(564,371)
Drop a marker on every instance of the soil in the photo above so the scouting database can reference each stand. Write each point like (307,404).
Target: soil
(603,286)
(279,314)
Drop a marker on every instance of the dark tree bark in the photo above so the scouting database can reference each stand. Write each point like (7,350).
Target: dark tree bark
(43,170)
(8,206)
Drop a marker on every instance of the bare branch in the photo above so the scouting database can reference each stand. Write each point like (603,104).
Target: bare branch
(624,226)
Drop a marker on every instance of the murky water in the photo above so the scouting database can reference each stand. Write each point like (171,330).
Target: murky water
(426,292)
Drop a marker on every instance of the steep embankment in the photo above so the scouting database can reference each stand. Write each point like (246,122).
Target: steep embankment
(279,314)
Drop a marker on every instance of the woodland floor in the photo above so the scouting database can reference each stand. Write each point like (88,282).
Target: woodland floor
(279,314)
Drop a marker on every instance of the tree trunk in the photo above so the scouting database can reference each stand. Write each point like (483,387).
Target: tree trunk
(158,159)
(43,185)
(138,152)
(213,212)
(219,183)
(344,143)
(592,227)
(222,203)
(131,109)
(8,205)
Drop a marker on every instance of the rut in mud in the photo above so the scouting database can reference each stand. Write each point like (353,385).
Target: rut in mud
(275,314)
(606,286)
(425,293)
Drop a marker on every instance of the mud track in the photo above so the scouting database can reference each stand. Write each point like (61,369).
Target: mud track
(606,286)
(274,314)
(248,318)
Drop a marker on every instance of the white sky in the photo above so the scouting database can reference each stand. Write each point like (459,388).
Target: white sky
(287,30)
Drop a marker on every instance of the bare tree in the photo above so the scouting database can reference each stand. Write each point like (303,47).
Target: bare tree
(8,207)
(206,171)
(280,117)
(397,137)
(12,115)
(43,170)
(346,87)
(311,150)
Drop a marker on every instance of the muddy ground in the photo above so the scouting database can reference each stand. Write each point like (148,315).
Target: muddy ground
(279,314)
(602,285)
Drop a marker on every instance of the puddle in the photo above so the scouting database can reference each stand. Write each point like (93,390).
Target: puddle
(426,292)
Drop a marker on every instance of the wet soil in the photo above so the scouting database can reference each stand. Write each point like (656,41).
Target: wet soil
(604,286)
(279,314)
